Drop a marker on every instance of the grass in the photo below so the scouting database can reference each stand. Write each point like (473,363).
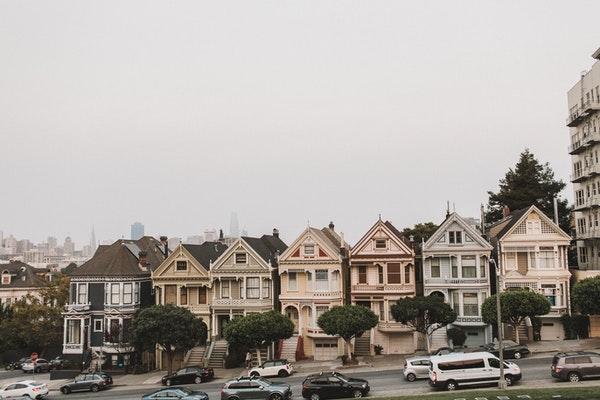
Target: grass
(567,393)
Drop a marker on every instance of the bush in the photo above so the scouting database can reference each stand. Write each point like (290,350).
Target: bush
(457,335)
(575,326)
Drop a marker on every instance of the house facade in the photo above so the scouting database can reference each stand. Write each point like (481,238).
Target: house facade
(456,261)
(19,279)
(105,292)
(313,275)
(532,254)
(382,270)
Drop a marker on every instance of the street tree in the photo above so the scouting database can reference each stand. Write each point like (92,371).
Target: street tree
(348,321)
(515,306)
(170,327)
(420,232)
(424,314)
(585,295)
(258,330)
(529,183)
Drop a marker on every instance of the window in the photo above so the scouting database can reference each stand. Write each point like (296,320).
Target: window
(456,302)
(469,267)
(534,227)
(309,250)
(136,292)
(579,197)
(240,258)
(381,244)
(225,289)
(98,325)
(183,295)
(252,288)
(549,291)
(482,266)
(546,259)
(115,293)
(5,278)
(407,273)
(393,273)
(82,293)
(455,237)
(362,274)
(202,295)
(454,267)
(381,310)
(320,310)
(435,268)
(127,293)
(470,305)
(266,288)
(309,284)
(74,331)
(380,273)
(321,280)
(292,281)
(181,265)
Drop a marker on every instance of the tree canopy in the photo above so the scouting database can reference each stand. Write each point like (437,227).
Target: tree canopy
(171,327)
(258,329)
(420,232)
(515,306)
(585,295)
(424,314)
(347,321)
(530,183)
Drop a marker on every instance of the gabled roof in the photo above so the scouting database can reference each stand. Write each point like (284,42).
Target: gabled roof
(509,224)
(122,259)
(268,247)
(22,275)
(206,253)
(383,230)
(328,240)
(452,219)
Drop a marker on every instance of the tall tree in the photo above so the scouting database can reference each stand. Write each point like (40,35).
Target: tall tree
(171,327)
(585,295)
(348,321)
(420,232)
(530,183)
(515,306)
(257,330)
(424,314)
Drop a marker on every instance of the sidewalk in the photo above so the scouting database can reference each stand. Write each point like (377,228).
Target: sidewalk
(373,363)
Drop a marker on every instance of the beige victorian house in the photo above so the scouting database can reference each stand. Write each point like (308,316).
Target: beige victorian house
(532,255)
(456,268)
(382,270)
(313,276)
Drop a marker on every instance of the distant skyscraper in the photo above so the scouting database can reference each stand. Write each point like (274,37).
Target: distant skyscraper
(93,242)
(210,235)
(234,226)
(137,230)
(69,247)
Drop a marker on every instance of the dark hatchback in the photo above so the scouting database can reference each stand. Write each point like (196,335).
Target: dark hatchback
(510,349)
(176,393)
(192,374)
(329,385)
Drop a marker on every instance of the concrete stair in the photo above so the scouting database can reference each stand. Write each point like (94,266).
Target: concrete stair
(196,356)
(439,339)
(362,345)
(288,349)
(219,352)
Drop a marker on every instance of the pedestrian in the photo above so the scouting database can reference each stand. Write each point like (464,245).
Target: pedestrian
(248,359)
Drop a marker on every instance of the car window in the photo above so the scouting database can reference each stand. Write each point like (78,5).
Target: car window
(494,363)
(269,364)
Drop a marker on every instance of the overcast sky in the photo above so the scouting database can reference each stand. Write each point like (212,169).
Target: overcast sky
(289,113)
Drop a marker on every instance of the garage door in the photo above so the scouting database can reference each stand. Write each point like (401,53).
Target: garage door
(401,343)
(326,349)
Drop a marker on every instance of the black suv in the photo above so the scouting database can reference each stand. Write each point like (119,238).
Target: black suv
(327,385)
(255,388)
(576,365)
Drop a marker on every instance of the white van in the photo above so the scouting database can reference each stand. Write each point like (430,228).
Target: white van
(470,369)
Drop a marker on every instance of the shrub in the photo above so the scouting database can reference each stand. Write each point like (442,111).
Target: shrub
(457,335)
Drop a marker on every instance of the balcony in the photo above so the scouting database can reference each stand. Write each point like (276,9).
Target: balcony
(222,303)
(456,281)
(383,288)
(579,115)
(581,145)
(393,327)
(590,202)
(469,321)
(584,173)
(78,307)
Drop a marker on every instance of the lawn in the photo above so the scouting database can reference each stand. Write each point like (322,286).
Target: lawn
(567,393)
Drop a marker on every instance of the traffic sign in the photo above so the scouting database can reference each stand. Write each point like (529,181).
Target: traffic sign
(34,356)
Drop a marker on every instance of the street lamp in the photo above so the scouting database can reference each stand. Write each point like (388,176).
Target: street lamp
(501,381)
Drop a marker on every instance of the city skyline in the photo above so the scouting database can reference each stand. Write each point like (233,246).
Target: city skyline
(289,114)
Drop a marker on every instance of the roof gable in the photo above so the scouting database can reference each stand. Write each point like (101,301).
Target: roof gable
(315,244)
(471,238)
(527,224)
(395,242)
(196,260)
(248,254)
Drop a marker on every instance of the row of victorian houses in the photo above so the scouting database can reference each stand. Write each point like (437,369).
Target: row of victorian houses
(318,270)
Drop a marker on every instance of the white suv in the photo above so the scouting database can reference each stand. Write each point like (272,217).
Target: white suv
(281,368)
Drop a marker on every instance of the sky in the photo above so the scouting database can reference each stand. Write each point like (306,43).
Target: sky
(291,114)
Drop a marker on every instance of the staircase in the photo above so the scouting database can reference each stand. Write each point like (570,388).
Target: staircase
(196,356)
(288,350)
(217,357)
(439,338)
(362,345)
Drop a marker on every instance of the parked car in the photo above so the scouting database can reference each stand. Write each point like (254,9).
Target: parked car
(31,389)
(442,351)
(416,368)
(41,364)
(15,364)
(192,374)
(510,349)
(107,377)
(328,385)
(84,382)
(281,368)
(575,366)
(255,388)
(181,393)
(59,362)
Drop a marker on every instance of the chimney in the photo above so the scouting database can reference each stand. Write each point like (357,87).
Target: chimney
(275,232)
(505,211)
(143,259)
(331,225)
(165,243)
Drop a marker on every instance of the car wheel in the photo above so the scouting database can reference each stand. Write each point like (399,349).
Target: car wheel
(517,355)
(574,377)
(276,396)
(509,380)
(94,388)
(168,382)
(411,377)
(315,396)
(198,380)
(451,385)
(282,373)
(65,390)
(357,394)
(254,374)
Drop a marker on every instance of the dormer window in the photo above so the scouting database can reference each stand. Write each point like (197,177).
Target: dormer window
(181,265)
(5,277)
(381,244)
(455,237)
(240,258)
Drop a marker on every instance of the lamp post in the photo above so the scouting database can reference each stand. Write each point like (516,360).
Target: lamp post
(501,381)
